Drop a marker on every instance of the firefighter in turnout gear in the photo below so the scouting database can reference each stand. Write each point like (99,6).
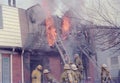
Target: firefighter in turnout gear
(36,74)
(105,74)
(78,63)
(77,73)
(68,76)
(48,78)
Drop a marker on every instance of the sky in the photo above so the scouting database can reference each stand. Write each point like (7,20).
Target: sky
(22,3)
(83,8)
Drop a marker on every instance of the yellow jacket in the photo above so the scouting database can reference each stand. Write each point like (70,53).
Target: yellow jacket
(36,76)
(68,76)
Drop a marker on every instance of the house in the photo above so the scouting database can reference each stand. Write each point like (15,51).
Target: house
(17,63)
(11,70)
(24,44)
(106,45)
(75,38)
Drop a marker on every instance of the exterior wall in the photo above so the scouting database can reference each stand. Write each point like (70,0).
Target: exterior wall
(10,34)
(26,62)
(55,66)
(36,21)
(0,68)
(50,61)
(114,66)
(23,26)
(17,73)
(104,56)
(5,67)
(1,19)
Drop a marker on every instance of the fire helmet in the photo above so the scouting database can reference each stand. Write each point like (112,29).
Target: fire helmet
(39,67)
(46,71)
(76,55)
(104,65)
(73,66)
(66,66)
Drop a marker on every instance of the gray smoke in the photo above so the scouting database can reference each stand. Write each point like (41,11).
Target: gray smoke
(59,7)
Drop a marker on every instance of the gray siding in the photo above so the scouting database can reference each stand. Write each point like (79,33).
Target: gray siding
(23,26)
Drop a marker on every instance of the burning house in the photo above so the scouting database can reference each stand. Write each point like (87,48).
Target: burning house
(39,37)
(56,40)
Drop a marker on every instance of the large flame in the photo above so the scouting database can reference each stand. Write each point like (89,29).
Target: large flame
(65,27)
(50,28)
(51,31)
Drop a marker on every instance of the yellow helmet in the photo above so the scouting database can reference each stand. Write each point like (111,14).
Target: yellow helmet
(39,67)
(66,66)
(46,71)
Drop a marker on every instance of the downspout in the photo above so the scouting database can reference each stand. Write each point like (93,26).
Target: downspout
(22,65)
(11,65)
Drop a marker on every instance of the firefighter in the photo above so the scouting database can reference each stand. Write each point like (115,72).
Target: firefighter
(105,74)
(77,73)
(68,76)
(36,74)
(12,3)
(78,62)
(48,78)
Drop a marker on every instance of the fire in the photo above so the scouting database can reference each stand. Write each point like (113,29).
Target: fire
(51,31)
(50,28)
(65,27)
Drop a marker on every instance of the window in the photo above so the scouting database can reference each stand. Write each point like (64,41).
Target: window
(6,68)
(114,60)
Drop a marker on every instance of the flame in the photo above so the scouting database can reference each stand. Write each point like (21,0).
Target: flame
(50,28)
(51,31)
(65,27)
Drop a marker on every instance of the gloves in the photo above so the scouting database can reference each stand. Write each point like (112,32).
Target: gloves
(34,77)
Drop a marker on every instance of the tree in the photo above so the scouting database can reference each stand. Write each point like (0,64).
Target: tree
(104,16)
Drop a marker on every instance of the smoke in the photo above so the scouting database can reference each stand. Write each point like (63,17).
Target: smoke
(56,7)
(59,7)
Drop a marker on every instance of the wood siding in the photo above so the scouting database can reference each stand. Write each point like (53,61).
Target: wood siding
(10,35)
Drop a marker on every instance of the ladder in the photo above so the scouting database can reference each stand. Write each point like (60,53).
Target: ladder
(92,60)
(61,48)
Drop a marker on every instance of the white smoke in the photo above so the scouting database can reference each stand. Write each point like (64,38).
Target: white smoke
(67,5)
(56,7)
(60,8)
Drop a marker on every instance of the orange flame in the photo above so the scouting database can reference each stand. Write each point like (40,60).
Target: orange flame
(51,31)
(50,28)
(65,27)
